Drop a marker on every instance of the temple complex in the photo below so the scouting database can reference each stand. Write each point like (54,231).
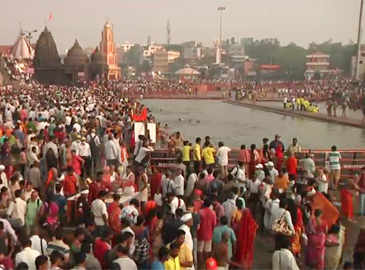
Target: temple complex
(107,48)
(47,62)
(22,48)
(76,63)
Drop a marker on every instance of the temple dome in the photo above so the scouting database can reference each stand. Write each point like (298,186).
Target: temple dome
(22,48)
(76,56)
(97,57)
(46,54)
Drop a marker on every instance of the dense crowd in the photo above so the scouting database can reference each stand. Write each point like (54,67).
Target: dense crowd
(17,70)
(79,190)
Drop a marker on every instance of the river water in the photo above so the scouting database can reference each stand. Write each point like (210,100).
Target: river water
(236,125)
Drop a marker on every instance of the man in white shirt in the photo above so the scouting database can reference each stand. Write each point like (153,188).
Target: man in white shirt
(283,258)
(9,229)
(17,210)
(175,203)
(38,243)
(111,152)
(192,179)
(98,208)
(179,183)
(123,259)
(239,172)
(85,154)
(222,158)
(229,206)
(143,151)
(51,145)
(168,185)
(27,255)
(76,145)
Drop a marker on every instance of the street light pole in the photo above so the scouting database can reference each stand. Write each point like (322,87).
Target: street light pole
(219,45)
(357,69)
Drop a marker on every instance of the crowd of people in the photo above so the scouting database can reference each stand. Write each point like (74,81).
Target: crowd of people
(17,70)
(338,94)
(80,191)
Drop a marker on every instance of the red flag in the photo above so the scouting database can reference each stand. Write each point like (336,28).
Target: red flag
(50,16)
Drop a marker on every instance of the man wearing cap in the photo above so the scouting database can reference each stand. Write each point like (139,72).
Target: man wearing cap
(273,173)
(187,219)
(259,173)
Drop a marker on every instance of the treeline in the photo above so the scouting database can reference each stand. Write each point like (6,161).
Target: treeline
(292,58)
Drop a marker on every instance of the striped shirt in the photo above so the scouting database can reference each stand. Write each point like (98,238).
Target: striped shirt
(334,160)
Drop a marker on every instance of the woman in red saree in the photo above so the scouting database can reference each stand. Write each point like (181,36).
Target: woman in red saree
(347,201)
(246,239)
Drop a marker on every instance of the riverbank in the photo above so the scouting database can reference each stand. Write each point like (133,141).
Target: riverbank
(317,116)
(184,97)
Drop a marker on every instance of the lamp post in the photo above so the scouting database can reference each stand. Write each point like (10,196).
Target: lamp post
(219,45)
(357,70)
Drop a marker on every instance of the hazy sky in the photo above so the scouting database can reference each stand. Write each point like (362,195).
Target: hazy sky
(300,21)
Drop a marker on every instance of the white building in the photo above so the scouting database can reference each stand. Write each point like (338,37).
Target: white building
(172,56)
(150,50)
(126,46)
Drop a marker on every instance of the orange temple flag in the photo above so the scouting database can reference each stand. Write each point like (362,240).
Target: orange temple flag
(330,212)
(50,16)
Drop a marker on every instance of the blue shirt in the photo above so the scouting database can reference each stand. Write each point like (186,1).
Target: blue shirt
(157,265)
(217,237)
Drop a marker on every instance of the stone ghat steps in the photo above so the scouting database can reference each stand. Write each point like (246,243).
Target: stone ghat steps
(352,160)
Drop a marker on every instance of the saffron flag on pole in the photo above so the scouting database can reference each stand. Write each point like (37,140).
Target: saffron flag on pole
(330,212)
(50,16)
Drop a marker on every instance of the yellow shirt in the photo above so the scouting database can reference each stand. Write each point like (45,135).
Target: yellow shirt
(196,154)
(185,255)
(172,264)
(208,155)
(186,152)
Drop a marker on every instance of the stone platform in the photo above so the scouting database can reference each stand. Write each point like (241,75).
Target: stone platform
(316,116)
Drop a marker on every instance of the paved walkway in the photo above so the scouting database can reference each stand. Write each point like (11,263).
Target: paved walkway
(269,107)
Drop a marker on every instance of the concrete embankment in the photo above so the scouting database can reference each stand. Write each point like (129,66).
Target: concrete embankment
(317,116)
